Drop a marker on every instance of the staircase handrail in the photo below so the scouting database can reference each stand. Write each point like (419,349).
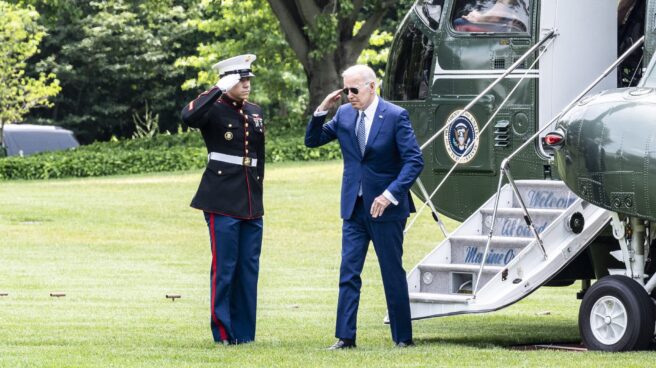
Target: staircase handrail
(505,165)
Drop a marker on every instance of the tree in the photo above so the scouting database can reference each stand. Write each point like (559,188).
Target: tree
(113,58)
(20,36)
(328,36)
(247,26)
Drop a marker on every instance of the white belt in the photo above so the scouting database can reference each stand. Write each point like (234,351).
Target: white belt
(237,160)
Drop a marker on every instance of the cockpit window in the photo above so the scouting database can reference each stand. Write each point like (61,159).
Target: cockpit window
(430,12)
(496,16)
(408,73)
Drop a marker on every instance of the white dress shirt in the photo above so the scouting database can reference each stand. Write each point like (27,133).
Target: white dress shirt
(369,114)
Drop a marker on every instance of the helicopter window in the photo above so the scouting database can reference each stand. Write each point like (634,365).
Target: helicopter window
(410,65)
(430,12)
(496,16)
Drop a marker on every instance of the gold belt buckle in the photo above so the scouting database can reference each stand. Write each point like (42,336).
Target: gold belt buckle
(247,161)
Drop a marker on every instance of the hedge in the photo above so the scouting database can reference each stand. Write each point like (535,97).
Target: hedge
(184,151)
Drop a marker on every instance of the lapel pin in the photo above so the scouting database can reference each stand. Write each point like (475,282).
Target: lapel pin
(380,116)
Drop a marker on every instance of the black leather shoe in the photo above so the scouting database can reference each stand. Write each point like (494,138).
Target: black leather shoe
(405,344)
(343,344)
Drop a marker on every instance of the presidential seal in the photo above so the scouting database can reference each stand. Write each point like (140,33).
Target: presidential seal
(460,136)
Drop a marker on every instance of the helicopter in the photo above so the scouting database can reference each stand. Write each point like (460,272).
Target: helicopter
(533,120)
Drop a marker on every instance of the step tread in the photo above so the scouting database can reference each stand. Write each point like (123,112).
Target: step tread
(542,183)
(459,267)
(510,240)
(439,298)
(520,212)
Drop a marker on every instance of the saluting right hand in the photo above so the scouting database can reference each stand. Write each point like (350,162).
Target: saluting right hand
(227,82)
(330,100)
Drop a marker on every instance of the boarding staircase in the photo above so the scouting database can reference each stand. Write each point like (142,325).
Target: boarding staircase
(445,281)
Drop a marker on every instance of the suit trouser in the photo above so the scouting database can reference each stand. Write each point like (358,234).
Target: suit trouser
(236,246)
(388,243)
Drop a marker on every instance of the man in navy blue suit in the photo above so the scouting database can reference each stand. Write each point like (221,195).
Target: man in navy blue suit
(381,162)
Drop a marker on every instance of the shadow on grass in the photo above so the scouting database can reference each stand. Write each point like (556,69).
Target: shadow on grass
(500,332)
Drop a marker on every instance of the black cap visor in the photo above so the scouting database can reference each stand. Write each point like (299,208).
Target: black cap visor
(244,73)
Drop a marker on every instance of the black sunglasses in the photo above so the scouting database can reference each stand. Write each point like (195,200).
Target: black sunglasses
(353,90)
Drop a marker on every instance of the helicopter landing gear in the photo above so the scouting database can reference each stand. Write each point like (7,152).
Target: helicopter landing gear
(617,314)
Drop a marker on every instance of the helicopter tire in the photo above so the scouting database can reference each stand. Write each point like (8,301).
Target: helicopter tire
(617,314)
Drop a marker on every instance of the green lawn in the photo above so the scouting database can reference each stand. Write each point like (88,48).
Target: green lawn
(116,246)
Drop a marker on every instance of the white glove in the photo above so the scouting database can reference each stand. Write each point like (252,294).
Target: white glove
(227,82)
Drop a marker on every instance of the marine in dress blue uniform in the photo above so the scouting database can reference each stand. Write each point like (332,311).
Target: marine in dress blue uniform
(230,196)
(381,162)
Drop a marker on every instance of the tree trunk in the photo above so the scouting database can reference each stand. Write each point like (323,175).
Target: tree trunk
(323,78)
(3,150)
(324,75)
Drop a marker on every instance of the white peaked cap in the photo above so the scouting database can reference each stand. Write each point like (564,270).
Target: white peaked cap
(236,65)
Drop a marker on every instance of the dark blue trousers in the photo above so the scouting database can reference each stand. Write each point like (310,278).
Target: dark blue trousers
(236,246)
(388,243)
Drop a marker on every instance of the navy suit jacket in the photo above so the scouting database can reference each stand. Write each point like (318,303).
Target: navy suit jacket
(392,159)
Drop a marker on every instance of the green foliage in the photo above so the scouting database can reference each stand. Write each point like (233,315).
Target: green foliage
(329,36)
(20,36)
(159,153)
(323,35)
(381,39)
(248,26)
(146,126)
(294,149)
(376,54)
(112,58)
(84,163)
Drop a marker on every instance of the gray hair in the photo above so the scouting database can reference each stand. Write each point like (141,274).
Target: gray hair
(363,71)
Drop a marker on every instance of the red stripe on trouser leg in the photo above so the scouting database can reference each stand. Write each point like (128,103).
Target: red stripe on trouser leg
(222,332)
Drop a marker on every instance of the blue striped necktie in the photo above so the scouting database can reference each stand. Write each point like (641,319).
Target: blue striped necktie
(361,134)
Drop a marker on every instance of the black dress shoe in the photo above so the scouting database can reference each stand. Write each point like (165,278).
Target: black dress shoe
(405,344)
(343,344)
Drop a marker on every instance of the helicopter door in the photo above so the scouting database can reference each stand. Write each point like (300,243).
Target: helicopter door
(480,40)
